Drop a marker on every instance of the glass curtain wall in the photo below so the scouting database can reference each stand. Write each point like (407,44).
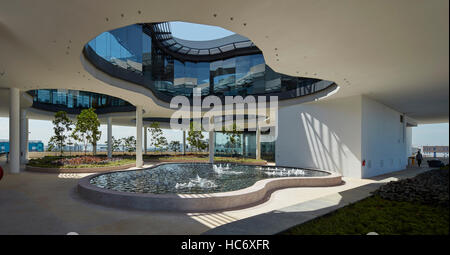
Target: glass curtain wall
(74,99)
(244,145)
(132,49)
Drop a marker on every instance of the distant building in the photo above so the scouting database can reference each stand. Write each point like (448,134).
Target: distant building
(437,149)
(33,145)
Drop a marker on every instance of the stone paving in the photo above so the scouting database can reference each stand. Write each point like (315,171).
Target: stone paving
(282,219)
(41,203)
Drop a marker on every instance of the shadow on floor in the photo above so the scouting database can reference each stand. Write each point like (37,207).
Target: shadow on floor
(279,220)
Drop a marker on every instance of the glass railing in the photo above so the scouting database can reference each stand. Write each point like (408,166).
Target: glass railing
(73,101)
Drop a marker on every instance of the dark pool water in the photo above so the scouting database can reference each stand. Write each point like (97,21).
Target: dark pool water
(195,178)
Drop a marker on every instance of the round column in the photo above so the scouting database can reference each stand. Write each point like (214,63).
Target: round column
(184,142)
(14,130)
(145,140)
(109,137)
(258,142)
(211,146)
(139,160)
(23,136)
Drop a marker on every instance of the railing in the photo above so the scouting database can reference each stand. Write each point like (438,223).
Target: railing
(157,71)
(73,104)
(164,39)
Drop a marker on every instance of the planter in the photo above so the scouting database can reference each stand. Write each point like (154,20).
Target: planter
(77,170)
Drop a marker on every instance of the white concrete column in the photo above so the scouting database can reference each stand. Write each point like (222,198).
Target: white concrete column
(184,142)
(14,130)
(139,160)
(109,132)
(258,142)
(145,140)
(211,146)
(23,136)
(27,139)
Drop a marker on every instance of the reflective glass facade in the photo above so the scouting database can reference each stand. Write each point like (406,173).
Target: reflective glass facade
(244,147)
(134,54)
(73,101)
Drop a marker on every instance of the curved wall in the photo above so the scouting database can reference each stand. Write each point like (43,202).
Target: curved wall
(73,101)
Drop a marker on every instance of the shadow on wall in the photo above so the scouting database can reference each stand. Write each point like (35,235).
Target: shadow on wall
(324,136)
(327,151)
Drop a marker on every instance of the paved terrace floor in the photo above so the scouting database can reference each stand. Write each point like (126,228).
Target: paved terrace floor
(40,203)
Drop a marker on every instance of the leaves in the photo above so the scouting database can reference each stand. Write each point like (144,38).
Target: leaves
(233,136)
(62,125)
(87,128)
(157,139)
(195,138)
(175,146)
(116,143)
(129,144)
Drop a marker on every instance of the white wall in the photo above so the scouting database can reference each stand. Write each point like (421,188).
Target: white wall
(324,135)
(409,151)
(338,134)
(384,139)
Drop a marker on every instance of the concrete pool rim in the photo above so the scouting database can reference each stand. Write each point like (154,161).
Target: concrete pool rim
(255,194)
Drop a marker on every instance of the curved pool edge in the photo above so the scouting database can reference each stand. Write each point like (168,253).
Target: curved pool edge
(258,193)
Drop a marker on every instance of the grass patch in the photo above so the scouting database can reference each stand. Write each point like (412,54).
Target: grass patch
(47,162)
(375,214)
(121,162)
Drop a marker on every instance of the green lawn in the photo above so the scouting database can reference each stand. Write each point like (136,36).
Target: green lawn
(46,162)
(375,214)
(115,163)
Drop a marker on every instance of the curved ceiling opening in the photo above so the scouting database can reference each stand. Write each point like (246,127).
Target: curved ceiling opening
(148,54)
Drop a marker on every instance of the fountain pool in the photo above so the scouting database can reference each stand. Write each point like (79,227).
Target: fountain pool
(197,186)
(195,178)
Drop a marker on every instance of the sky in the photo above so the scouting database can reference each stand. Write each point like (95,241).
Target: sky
(429,134)
(43,130)
(197,32)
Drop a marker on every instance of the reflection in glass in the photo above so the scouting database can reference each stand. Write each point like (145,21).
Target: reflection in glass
(132,48)
(74,99)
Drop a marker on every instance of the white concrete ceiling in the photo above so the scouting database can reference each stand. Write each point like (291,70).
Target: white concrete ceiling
(394,51)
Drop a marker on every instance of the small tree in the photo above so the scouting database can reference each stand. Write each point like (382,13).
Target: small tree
(157,139)
(195,138)
(163,144)
(129,144)
(51,145)
(87,129)
(115,145)
(233,137)
(62,125)
(175,146)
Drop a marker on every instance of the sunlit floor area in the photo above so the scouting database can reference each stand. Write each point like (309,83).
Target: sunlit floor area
(39,203)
